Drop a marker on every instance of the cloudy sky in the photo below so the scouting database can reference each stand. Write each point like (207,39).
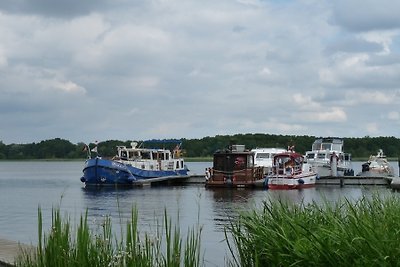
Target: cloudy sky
(141,69)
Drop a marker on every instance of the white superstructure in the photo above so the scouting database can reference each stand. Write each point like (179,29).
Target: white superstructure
(263,157)
(328,159)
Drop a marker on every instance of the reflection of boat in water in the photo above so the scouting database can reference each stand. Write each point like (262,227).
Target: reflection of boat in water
(328,159)
(263,157)
(290,172)
(234,167)
(133,164)
(237,195)
(377,166)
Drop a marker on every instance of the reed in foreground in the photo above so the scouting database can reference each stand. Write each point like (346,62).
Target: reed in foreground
(362,233)
(88,248)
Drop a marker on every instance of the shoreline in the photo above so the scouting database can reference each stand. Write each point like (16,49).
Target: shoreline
(9,251)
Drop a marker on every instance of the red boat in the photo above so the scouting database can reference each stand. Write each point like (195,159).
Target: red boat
(290,172)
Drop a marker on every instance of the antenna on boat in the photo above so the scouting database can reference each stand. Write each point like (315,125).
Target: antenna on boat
(86,149)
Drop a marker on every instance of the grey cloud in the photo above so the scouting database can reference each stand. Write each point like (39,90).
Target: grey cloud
(353,45)
(367,15)
(57,8)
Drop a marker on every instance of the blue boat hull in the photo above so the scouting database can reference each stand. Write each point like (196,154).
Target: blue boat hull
(99,171)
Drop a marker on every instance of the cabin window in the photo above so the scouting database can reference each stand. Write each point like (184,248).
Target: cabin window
(123,154)
(249,161)
(167,156)
(219,162)
(326,147)
(337,147)
(146,155)
(182,164)
(161,156)
(177,164)
(131,155)
(239,163)
(263,156)
(311,156)
(321,156)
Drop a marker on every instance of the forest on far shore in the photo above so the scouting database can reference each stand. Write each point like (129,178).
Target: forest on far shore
(205,147)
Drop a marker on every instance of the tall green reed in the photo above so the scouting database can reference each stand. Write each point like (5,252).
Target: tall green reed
(84,247)
(345,233)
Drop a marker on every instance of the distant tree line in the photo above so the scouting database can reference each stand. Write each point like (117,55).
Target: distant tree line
(205,147)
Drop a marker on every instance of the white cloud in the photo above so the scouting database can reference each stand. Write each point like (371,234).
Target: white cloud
(305,102)
(384,38)
(393,115)
(329,115)
(370,97)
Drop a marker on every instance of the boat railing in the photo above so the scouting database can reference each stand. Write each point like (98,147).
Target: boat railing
(291,170)
(255,173)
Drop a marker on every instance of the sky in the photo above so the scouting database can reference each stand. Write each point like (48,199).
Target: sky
(136,70)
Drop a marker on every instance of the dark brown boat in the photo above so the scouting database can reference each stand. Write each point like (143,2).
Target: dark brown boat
(234,167)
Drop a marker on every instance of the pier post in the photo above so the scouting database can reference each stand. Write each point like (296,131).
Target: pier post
(334,164)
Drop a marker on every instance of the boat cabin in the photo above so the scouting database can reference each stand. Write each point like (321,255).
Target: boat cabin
(287,163)
(150,159)
(331,144)
(125,153)
(234,166)
(263,157)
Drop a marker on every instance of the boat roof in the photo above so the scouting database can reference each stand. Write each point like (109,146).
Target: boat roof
(163,141)
(268,149)
(336,140)
(234,149)
(290,154)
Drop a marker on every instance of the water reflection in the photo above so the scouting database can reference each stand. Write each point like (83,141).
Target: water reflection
(227,203)
(152,203)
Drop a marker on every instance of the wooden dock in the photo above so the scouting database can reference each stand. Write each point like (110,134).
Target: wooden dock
(393,182)
(354,180)
(183,179)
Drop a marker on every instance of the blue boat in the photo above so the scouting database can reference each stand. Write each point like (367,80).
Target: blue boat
(132,164)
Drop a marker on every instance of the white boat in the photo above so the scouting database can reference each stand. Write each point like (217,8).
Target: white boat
(377,166)
(263,157)
(327,158)
(289,171)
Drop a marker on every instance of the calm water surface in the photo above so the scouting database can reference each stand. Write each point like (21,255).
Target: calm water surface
(25,186)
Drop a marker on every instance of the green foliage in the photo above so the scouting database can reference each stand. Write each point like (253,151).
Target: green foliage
(205,147)
(63,248)
(341,234)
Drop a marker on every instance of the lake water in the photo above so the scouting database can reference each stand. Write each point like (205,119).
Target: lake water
(25,186)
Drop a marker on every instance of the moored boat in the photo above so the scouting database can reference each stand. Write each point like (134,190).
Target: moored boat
(328,158)
(289,171)
(263,157)
(377,166)
(134,163)
(234,167)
